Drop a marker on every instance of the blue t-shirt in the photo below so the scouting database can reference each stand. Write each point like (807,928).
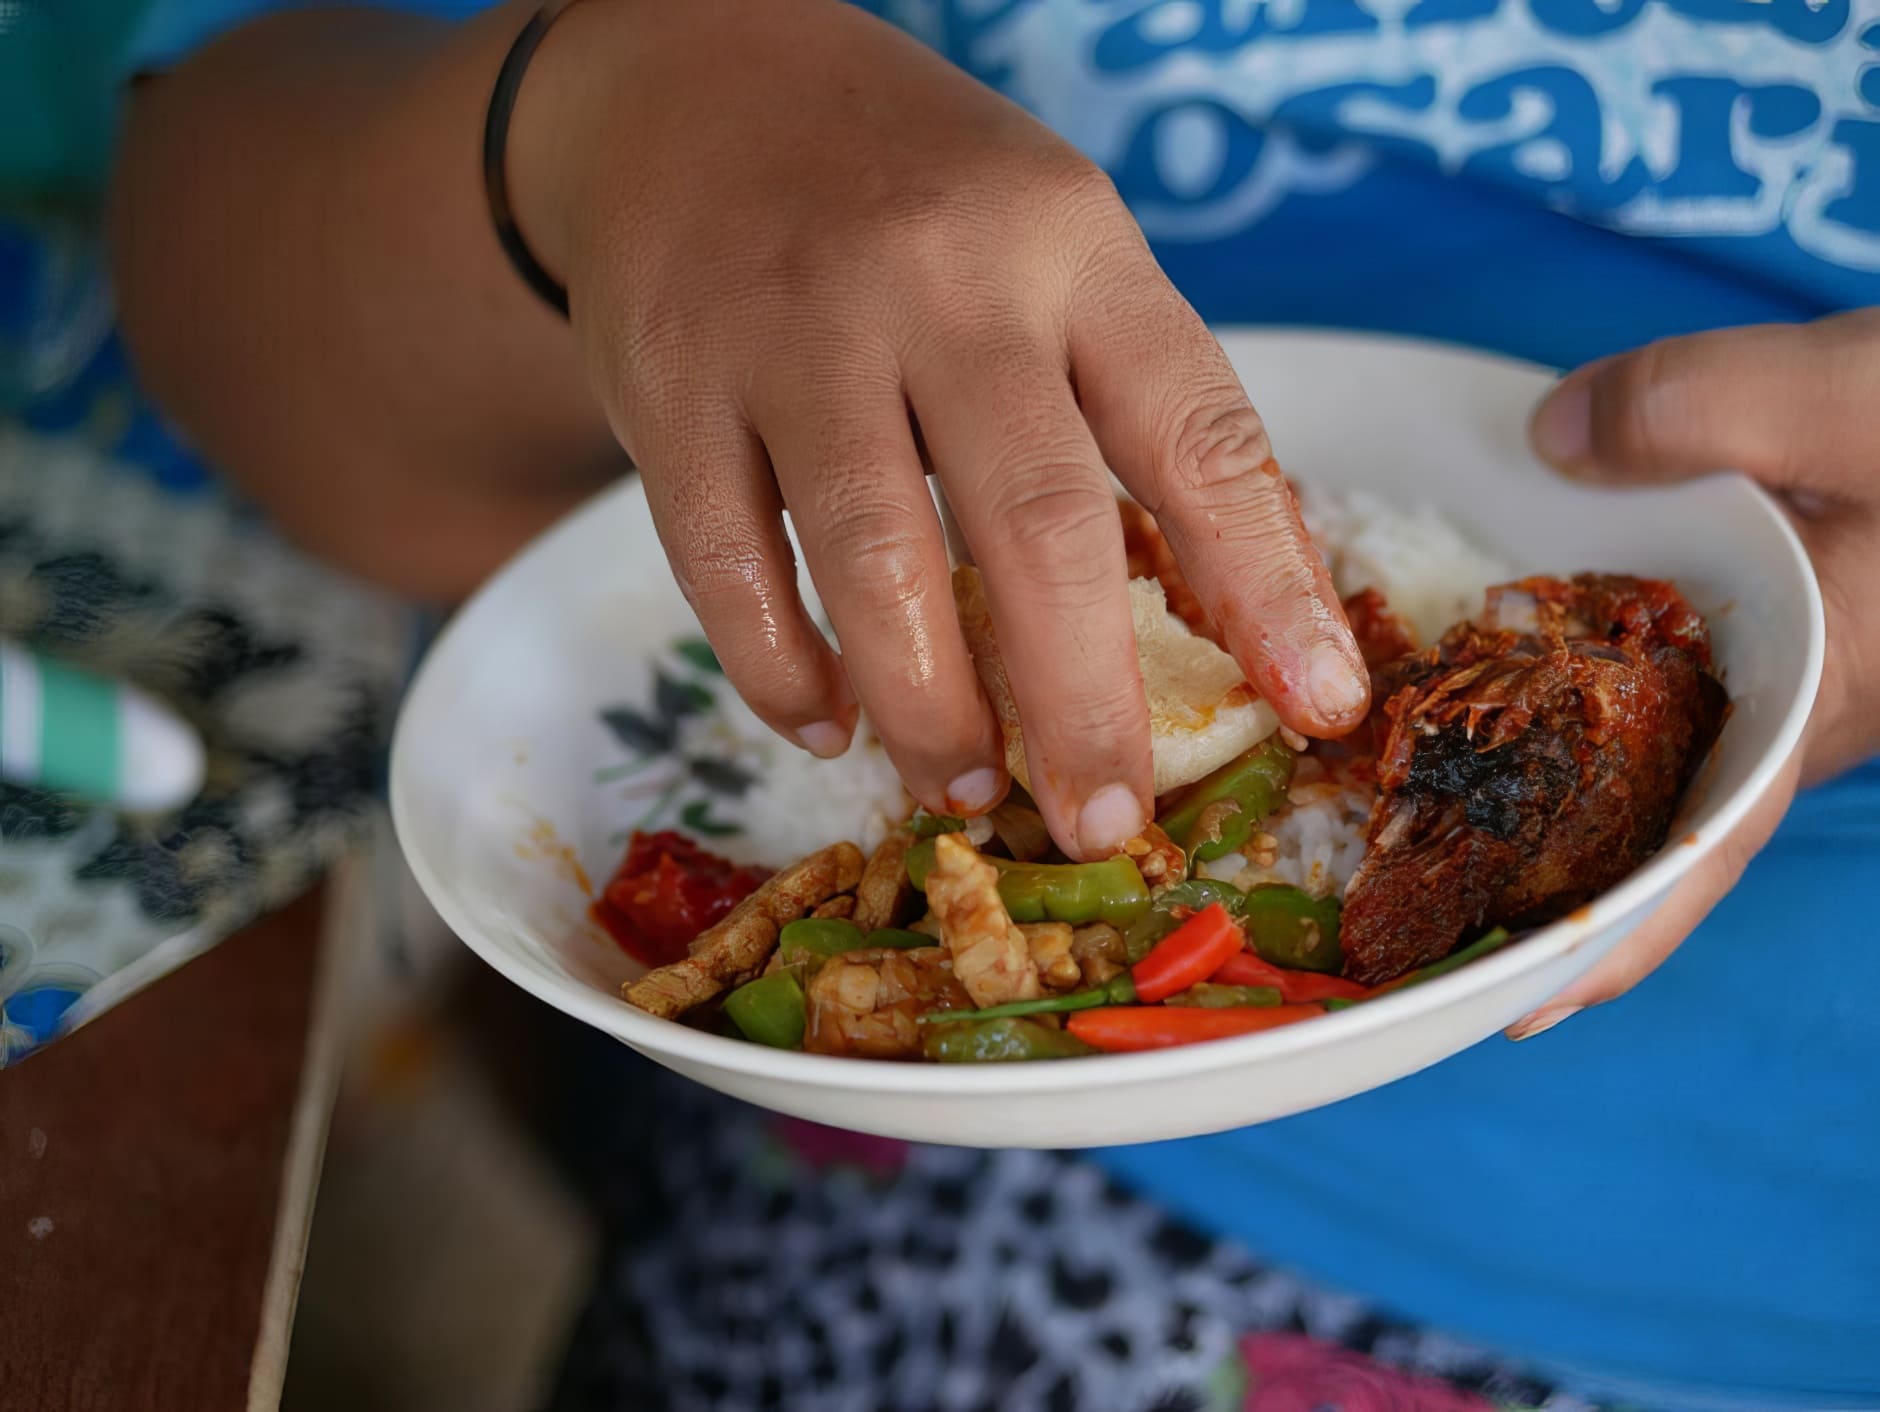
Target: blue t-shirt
(1678,1194)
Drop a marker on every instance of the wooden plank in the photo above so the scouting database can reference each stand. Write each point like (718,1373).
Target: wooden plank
(348,926)
(142,1166)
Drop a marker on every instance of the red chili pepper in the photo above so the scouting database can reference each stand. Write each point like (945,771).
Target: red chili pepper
(1124,1030)
(1245,968)
(1188,955)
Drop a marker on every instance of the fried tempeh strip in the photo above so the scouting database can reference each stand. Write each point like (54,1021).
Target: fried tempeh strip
(735,949)
(1099,952)
(869,1002)
(841,907)
(1158,857)
(1050,944)
(884,891)
(990,954)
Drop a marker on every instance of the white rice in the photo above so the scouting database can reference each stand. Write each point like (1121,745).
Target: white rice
(1429,571)
(1318,841)
(800,803)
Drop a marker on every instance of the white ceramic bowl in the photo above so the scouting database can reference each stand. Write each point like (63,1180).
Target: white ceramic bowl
(494,792)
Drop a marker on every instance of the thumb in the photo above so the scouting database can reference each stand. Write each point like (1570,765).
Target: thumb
(1771,400)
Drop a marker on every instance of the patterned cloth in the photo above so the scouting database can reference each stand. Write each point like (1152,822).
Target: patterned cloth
(288,670)
(761,1262)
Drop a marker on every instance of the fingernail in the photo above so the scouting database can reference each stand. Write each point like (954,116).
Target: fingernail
(975,791)
(824,739)
(1542,1020)
(1333,683)
(1562,430)
(1108,817)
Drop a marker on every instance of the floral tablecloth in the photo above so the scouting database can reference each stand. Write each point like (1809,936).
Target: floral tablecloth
(118,553)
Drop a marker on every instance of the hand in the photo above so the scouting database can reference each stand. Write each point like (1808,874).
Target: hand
(804,254)
(1793,406)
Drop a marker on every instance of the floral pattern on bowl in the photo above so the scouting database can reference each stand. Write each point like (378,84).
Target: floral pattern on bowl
(670,763)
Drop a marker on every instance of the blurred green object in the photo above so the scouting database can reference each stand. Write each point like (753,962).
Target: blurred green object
(58,99)
(60,62)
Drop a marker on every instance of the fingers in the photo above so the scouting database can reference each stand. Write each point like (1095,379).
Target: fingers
(1032,497)
(1770,401)
(852,478)
(1167,409)
(1647,948)
(1841,541)
(720,519)
(1785,403)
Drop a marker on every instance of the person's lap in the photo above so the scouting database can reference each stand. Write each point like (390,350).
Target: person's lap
(759,1262)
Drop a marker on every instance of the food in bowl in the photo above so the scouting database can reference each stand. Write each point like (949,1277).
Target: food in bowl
(1528,759)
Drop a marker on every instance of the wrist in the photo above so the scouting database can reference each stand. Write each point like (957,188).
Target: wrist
(552,127)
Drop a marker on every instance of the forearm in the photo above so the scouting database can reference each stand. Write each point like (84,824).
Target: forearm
(311,287)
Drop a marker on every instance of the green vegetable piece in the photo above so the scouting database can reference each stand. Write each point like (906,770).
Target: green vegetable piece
(897,939)
(1294,929)
(1000,1042)
(818,938)
(1338,1003)
(1143,933)
(1196,894)
(1474,951)
(1255,784)
(929,825)
(1200,893)
(1208,996)
(1111,891)
(769,1010)
(1120,989)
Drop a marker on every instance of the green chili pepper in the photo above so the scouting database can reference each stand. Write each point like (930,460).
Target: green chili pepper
(1335,1003)
(1474,951)
(1160,919)
(1255,784)
(1146,931)
(1207,996)
(895,939)
(770,1010)
(1001,1041)
(927,825)
(1111,891)
(1198,893)
(1120,989)
(818,938)
(1294,929)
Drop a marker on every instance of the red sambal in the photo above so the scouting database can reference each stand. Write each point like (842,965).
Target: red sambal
(665,892)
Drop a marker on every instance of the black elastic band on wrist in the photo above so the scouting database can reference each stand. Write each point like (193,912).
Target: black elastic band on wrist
(496,143)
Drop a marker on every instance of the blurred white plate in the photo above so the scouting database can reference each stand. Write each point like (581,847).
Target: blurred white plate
(499,811)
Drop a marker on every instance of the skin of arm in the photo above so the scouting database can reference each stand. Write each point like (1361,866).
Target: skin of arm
(309,283)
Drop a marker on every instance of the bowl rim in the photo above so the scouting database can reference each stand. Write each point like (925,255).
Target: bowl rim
(1649,883)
